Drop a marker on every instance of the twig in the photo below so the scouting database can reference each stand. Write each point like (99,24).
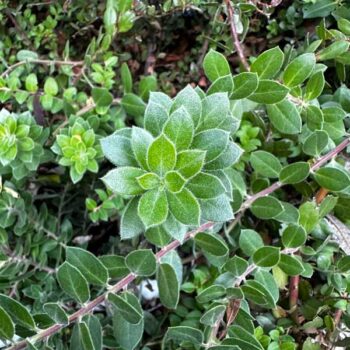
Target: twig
(168,248)
(235,37)
(293,297)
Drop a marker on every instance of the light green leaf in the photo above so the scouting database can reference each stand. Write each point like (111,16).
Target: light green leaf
(189,163)
(332,179)
(299,69)
(269,92)
(250,241)
(205,186)
(149,181)
(174,182)
(321,8)
(140,142)
(73,282)
(126,78)
(215,65)
(267,256)
(23,55)
(168,285)
(161,155)
(124,180)
(156,116)
(268,64)
(295,172)
(314,86)
(308,216)
(101,96)
(315,143)
(334,50)
(128,306)
(244,85)
(226,159)
(293,236)
(222,84)
(266,207)
(290,265)
(184,207)
(87,263)
(130,224)
(265,163)
(142,262)
(51,86)
(153,208)
(179,129)
(285,117)
(333,114)
(211,244)
(217,209)
(7,328)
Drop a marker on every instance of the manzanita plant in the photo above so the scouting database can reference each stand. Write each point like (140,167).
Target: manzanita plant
(213,217)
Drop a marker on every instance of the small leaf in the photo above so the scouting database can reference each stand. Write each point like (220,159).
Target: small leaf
(211,244)
(124,180)
(268,64)
(217,209)
(23,55)
(56,312)
(102,97)
(156,116)
(149,181)
(73,282)
(128,305)
(266,164)
(215,65)
(189,163)
(213,292)
(184,206)
(174,182)
(309,216)
(133,105)
(314,86)
(250,241)
(115,265)
(344,264)
(290,214)
(269,92)
(244,85)
(7,328)
(161,155)
(294,173)
(299,69)
(213,315)
(266,207)
(222,84)
(315,143)
(87,263)
(140,142)
(130,224)
(285,117)
(126,78)
(183,333)
(290,265)
(206,186)
(236,265)
(334,50)
(153,208)
(332,179)
(85,337)
(142,262)
(293,236)
(267,256)
(168,286)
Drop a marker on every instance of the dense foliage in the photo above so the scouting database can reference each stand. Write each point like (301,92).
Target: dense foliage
(174,174)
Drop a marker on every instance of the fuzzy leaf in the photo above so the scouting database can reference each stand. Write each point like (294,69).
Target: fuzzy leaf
(168,285)
(290,265)
(266,164)
(250,241)
(142,262)
(213,315)
(211,244)
(140,142)
(244,85)
(131,225)
(56,312)
(7,328)
(315,143)
(295,172)
(217,209)
(174,182)
(215,65)
(156,116)
(128,306)
(206,186)
(189,163)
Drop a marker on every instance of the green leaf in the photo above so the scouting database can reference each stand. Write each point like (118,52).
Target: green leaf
(7,328)
(85,337)
(73,282)
(128,306)
(250,241)
(153,207)
(266,207)
(133,105)
(172,258)
(258,293)
(217,209)
(321,8)
(206,186)
(226,159)
(290,214)
(181,334)
(314,86)
(268,64)
(168,285)
(156,116)
(236,265)
(179,129)
(128,335)
(140,142)
(334,50)
(294,173)
(102,97)
(344,264)
(211,244)
(314,117)
(124,180)
(161,155)
(308,216)
(285,117)
(215,65)
(266,256)
(293,236)
(269,92)
(126,78)
(115,265)
(344,25)
(146,86)
(213,141)
(290,265)
(174,182)
(51,87)
(56,312)
(222,84)
(117,149)
(332,179)
(31,83)
(130,224)
(189,163)
(189,99)
(214,108)
(333,114)
(87,263)
(23,55)
(142,262)
(315,143)
(244,85)
(213,292)
(149,181)
(213,315)
(268,280)
(239,333)
(299,69)
(265,164)
(184,206)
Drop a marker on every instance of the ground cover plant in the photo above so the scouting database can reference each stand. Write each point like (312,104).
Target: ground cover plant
(174,175)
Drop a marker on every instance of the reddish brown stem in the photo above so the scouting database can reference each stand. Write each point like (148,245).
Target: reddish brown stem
(293,297)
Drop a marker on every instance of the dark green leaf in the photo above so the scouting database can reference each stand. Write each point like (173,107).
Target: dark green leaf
(211,244)
(266,164)
(7,328)
(244,85)
(266,256)
(128,305)
(250,241)
(299,69)
(213,315)
(206,186)
(56,312)
(315,143)
(295,172)
(142,262)
(290,265)
(266,207)
(269,92)
(215,65)
(269,63)
(332,179)
(168,286)
(293,236)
